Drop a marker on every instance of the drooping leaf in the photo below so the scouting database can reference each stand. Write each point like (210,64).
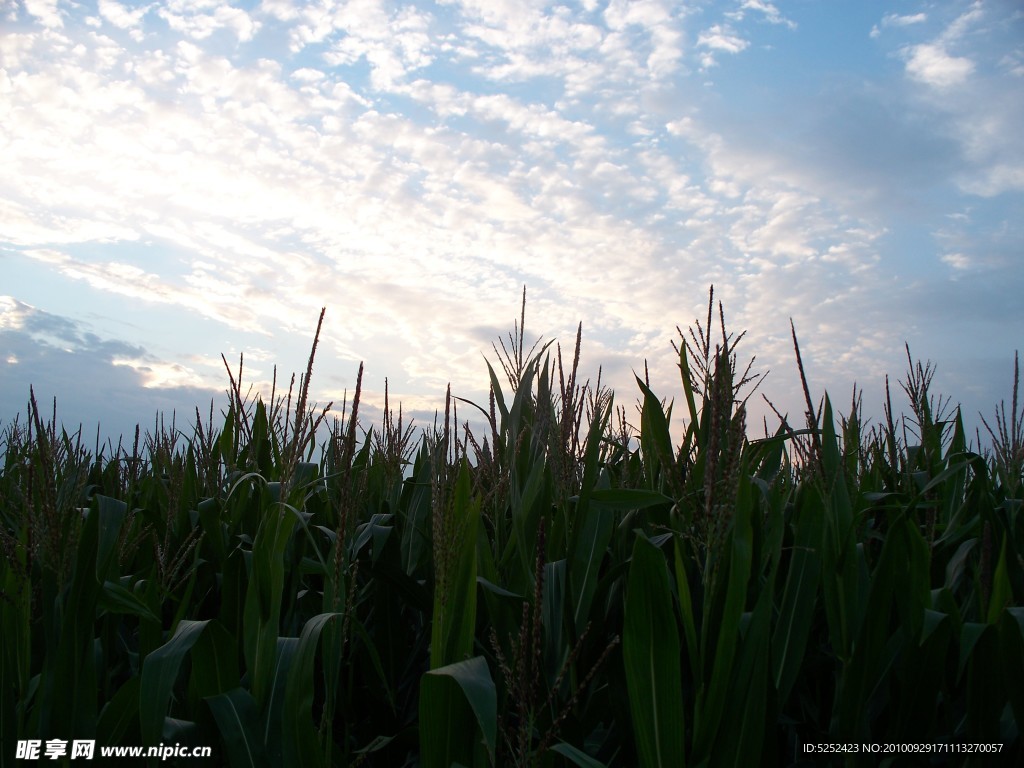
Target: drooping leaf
(451,697)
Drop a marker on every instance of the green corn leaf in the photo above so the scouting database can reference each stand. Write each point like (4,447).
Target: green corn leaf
(527,507)
(495,589)
(956,566)
(263,599)
(522,403)
(650,651)
(454,622)
(214,661)
(970,635)
(301,743)
(839,573)
(693,649)
(15,650)
(986,696)
(214,529)
(273,720)
(499,398)
(589,545)
(1002,591)
(628,498)
(576,756)
(919,671)
(553,601)
(1011,646)
(743,744)
(71,690)
(712,702)
(119,719)
(111,515)
(377,743)
(895,582)
(799,599)
(591,457)
(416,505)
(159,672)
(117,599)
(686,373)
(655,438)
(451,697)
(375,661)
(238,721)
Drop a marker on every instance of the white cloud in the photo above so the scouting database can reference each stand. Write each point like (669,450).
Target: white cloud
(12,313)
(1013,63)
(722,39)
(771,13)
(200,20)
(931,64)
(120,16)
(958,261)
(976,48)
(393,43)
(161,375)
(896,20)
(46,12)
(961,26)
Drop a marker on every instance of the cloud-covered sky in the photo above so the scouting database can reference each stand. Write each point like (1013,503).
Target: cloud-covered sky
(189,178)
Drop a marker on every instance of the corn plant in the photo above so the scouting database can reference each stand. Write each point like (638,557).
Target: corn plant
(565,586)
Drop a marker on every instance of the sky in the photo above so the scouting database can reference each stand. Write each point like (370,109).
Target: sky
(185,179)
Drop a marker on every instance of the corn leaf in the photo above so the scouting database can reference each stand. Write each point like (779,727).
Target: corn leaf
(238,722)
(650,651)
(300,740)
(451,697)
(159,672)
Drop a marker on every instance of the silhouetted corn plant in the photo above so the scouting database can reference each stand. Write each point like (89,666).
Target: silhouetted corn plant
(567,587)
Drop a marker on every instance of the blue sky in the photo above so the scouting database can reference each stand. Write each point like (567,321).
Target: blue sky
(186,179)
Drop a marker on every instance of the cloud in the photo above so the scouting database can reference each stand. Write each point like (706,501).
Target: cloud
(957,260)
(896,20)
(200,21)
(393,45)
(974,48)
(412,169)
(120,16)
(46,12)
(931,64)
(62,360)
(770,12)
(719,38)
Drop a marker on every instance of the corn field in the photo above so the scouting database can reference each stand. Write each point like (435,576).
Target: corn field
(566,586)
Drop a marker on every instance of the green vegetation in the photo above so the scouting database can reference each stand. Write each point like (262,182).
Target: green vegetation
(564,590)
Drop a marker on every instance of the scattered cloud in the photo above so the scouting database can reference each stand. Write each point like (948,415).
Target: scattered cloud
(120,15)
(932,63)
(200,21)
(769,11)
(45,12)
(956,260)
(719,38)
(411,167)
(896,20)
